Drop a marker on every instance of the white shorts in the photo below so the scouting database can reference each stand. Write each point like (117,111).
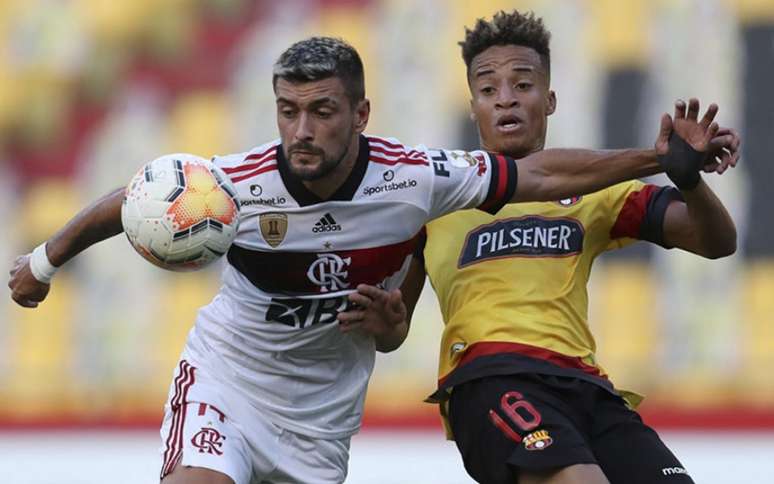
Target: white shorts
(207,425)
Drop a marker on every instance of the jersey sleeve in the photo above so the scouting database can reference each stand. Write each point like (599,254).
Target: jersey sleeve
(475,179)
(637,210)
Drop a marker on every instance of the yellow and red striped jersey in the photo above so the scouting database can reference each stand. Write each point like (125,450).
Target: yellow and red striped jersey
(512,286)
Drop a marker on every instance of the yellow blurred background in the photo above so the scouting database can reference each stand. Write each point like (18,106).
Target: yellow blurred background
(92,89)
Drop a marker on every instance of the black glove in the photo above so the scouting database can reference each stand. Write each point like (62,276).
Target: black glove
(682,163)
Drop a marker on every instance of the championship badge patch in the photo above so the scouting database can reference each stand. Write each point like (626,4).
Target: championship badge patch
(537,440)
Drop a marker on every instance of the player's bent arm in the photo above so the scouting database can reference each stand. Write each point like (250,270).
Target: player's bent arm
(554,174)
(701,224)
(97,222)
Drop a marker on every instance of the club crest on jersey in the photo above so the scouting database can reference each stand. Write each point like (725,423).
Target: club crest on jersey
(537,440)
(208,440)
(329,272)
(531,236)
(274,226)
(568,202)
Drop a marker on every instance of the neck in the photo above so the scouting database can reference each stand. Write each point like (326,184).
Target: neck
(327,185)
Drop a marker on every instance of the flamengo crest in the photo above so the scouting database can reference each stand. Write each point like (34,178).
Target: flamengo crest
(208,440)
(329,272)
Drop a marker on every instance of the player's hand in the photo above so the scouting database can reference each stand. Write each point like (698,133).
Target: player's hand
(725,149)
(27,291)
(376,311)
(686,144)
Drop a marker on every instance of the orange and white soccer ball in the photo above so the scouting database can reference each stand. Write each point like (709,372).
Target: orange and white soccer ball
(180,212)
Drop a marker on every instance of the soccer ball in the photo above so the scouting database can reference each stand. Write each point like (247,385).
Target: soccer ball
(180,212)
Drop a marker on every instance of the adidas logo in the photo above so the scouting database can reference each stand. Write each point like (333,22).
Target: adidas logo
(326,224)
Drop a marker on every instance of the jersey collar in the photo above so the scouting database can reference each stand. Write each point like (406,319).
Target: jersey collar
(345,192)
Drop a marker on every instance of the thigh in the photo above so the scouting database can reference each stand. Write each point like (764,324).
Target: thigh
(199,432)
(504,425)
(629,451)
(195,475)
(574,474)
(308,459)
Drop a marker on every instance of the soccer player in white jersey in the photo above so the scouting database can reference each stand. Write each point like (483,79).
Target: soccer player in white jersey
(268,389)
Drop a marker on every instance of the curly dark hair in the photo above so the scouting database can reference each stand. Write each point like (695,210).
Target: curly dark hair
(513,28)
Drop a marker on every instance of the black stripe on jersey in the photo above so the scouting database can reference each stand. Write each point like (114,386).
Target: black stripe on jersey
(502,184)
(652,227)
(330,219)
(345,192)
(494,180)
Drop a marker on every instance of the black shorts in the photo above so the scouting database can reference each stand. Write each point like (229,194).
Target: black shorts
(534,421)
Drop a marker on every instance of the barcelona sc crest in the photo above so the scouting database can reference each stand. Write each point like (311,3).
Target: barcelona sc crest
(568,202)
(537,440)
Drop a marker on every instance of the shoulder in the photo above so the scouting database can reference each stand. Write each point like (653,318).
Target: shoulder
(258,160)
(390,151)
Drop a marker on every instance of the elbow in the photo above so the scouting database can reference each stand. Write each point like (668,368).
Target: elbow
(723,246)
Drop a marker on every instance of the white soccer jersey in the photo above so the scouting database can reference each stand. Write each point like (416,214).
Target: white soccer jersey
(269,332)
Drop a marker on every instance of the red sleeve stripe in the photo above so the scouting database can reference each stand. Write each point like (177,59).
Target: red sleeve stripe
(400,153)
(633,212)
(386,143)
(377,157)
(261,154)
(251,174)
(251,166)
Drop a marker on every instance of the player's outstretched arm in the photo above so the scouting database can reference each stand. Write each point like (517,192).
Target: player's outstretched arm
(31,274)
(554,174)
(701,224)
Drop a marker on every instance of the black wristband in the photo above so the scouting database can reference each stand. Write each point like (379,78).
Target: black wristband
(682,163)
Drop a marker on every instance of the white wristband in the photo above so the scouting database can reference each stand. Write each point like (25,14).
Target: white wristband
(42,268)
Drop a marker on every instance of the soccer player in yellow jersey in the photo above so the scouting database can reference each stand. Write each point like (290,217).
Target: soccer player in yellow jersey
(519,386)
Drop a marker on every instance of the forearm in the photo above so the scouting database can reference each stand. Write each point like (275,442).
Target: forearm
(554,174)
(393,338)
(701,225)
(99,221)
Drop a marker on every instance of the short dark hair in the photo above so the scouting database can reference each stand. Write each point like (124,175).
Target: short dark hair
(318,58)
(513,28)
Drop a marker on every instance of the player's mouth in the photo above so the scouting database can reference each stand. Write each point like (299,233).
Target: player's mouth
(509,123)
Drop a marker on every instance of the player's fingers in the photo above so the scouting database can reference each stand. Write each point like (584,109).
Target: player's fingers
(711,132)
(360,300)
(693,109)
(350,316)
(679,109)
(24,301)
(664,131)
(372,292)
(348,327)
(709,116)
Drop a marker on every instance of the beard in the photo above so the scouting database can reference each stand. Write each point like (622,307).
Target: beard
(327,163)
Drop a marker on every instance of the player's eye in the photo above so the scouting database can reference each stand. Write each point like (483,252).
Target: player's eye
(487,90)
(324,114)
(287,113)
(523,85)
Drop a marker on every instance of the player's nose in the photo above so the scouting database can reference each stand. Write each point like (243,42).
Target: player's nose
(304,128)
(506,97)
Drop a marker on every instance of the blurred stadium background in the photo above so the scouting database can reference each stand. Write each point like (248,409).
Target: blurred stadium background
(91,89)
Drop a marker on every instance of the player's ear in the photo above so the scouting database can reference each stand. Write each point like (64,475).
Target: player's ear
(473,116)
(551,103)
(362,113)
